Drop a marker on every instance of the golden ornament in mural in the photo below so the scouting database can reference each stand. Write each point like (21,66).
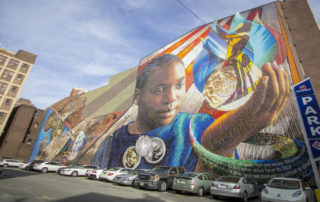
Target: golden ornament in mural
(130,158)
(220,85)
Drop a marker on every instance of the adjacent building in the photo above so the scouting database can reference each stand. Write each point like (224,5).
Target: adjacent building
(21,131)
(14,70)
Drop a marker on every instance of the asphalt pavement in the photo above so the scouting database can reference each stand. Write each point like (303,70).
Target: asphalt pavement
(28,186)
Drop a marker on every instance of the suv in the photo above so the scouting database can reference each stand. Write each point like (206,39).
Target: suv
(160,177)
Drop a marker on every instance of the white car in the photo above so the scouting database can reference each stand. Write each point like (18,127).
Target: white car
(109,175)
(95,173)
(10,163)
(287,189)
(47,167)
(76,170)
(24,166)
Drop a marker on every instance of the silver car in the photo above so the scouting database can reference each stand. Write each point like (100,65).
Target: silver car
(129,178)
(198,183)
(126,179)
(235,187)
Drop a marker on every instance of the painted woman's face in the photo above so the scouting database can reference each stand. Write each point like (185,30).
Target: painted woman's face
(161,98)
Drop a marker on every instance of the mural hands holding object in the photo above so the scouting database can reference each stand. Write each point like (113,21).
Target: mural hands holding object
(261,110)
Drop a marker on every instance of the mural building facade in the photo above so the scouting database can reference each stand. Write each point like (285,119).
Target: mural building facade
(216,100)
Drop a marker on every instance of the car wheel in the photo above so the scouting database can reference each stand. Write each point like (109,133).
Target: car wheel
(178,191)
(74,174)
(244,197)
(44,170)
(5,165)
(200,191)
(162,186)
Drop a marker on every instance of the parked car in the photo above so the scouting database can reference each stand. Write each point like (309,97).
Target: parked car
(198,183)
(59,169)
(91,170)
(75,171)
(95,173)
(129,178)
(1,170)
(30,166)
(48,167)
(24,166)
(287,189)
(234,187)
(10,163)
(159,177)
(109,174)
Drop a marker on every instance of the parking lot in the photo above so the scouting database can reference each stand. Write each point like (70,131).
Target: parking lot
(20,185)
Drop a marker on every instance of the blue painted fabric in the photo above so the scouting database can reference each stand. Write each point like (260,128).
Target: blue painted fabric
(179,150)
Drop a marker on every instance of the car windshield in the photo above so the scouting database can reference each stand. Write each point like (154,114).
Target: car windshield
(284,184)
(114,169)
(90,167)
(191,175)
(132,172)
(230,179)
(160,169)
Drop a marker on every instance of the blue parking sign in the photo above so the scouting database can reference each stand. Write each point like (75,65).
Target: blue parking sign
(309,109)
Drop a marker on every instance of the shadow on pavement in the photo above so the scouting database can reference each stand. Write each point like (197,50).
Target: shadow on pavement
(104,197)
(15,172)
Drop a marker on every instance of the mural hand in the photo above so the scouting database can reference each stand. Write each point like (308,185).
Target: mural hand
(270,96)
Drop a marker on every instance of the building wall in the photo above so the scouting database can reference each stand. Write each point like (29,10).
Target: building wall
(21,132)
(14,70)
(305,39)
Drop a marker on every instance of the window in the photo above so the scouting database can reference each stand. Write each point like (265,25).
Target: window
(173,171)
(36,125)
(181,170)
(35,114)
(14,89)
(1,115)
(204,177)
(3,59)
(210,177)
(8,101)
(7,75)
(3,87)
(13,64)
(24,67)
(20,77)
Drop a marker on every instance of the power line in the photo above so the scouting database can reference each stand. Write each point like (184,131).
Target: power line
(191,11)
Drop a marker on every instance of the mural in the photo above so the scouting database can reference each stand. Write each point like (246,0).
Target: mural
(66,136)
(214,100)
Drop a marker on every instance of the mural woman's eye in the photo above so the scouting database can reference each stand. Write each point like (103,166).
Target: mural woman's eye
(158,91)
(180,85)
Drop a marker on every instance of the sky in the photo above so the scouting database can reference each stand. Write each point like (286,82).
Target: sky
(81,44)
